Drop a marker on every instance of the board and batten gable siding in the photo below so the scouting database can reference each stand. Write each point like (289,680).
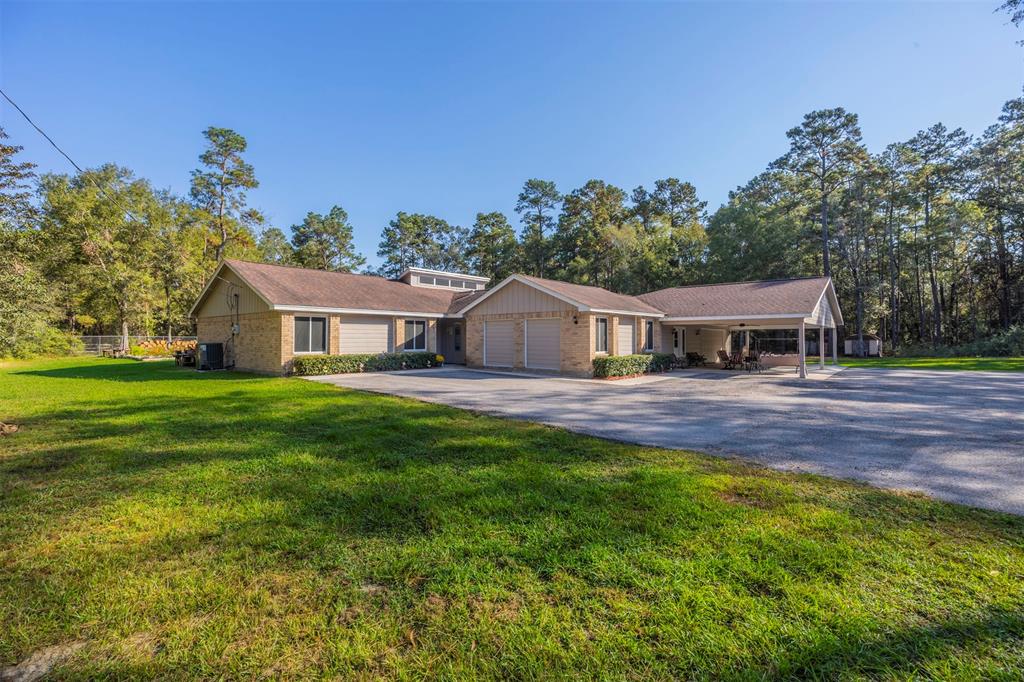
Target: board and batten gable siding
(822,315)
(516,297)
(216,302)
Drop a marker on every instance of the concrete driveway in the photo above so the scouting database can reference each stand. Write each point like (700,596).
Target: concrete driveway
(956,435)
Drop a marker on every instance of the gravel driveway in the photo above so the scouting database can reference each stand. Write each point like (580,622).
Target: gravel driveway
(956,435)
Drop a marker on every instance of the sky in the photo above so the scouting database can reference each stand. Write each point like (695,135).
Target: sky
(447,109)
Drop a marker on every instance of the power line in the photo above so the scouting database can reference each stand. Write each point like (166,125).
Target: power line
(70,160)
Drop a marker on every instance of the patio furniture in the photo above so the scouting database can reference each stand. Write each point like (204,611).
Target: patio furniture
(695,359)
(185,358)
(729,361)
(752,363)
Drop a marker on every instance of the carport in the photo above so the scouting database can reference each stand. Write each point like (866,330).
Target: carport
(704,319)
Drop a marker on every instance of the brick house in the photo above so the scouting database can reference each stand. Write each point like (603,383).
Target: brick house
(266,315)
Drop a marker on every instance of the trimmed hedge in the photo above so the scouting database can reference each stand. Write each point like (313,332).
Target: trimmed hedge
(627,365)
(311,365)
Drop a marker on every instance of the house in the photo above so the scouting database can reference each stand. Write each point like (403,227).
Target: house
(266,315)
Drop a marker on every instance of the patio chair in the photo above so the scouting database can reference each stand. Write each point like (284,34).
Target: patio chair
(695,359)
(752,363)
(729,361)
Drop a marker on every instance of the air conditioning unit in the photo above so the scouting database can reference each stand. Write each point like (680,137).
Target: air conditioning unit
(211,356)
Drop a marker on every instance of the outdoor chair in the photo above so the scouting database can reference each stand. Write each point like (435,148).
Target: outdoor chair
(752,363)
(729,361)
(695,359)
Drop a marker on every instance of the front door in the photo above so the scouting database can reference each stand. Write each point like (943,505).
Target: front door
(453,347)
(678,341)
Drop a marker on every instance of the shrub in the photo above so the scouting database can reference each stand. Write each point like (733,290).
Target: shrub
(628,365)
(312,365)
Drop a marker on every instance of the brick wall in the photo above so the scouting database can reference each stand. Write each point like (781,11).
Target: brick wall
(258,346)
(576,342)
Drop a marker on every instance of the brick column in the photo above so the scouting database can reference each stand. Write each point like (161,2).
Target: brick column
(613,335)
(399,333)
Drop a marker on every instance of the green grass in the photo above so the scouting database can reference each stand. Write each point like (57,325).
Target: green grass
(222,525)
(956,364)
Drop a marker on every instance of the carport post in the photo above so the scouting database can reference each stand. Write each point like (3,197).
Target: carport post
(821,347)
(802,347)
(835,356)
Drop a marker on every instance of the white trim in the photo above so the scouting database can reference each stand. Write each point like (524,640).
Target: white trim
(738,318)
(356,311)
(632,313)
(444,273)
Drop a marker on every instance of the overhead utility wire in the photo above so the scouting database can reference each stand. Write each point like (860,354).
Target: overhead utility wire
(65,155)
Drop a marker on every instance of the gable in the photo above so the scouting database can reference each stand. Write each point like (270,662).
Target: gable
(218,298)
(516,297)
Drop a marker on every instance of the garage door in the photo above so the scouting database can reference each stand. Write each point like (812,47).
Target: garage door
(499,343)
(627,330)
(542,343)
(365,335)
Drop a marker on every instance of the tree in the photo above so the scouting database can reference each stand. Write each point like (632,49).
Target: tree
(595,235)
(219,191)
(685,214)
(27,311)
(536,207)
(935,167)
(493,250)
(418,240)
(325,242)
(823,150)
(274,247)
(105,240)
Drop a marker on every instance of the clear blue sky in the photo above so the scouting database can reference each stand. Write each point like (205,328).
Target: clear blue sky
(447,109)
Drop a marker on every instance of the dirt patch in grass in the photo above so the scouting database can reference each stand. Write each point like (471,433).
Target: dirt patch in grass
(40,663)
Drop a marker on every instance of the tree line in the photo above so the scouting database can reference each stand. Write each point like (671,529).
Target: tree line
(924,239)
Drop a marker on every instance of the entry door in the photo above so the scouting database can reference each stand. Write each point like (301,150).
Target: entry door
(678,342)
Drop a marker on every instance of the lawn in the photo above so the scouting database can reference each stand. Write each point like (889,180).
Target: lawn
(222,525)
(961,364)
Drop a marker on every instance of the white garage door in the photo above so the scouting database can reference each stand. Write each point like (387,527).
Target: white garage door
(364,335)
(499,343)
(542,343)
(627,330)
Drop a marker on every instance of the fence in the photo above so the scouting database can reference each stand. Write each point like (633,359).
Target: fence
(93,345)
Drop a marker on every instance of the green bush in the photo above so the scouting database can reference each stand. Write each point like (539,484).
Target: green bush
(627,365)
(312,365)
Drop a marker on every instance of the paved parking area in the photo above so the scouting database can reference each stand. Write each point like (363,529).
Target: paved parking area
(956,435)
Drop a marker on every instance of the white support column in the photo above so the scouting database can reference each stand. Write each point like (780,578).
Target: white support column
(802,346)
(821,347)
(835,342)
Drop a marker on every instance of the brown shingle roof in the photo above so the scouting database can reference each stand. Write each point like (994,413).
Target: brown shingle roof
(740,299)
(284,285)
(594,297)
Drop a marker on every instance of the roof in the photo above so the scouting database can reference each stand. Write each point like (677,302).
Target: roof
(595,298)
(586,298)
(284,286)
(778,297)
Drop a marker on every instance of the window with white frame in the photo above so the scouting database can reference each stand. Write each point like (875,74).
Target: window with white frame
(310,335)
(649,335)
(415,335)
(601,338)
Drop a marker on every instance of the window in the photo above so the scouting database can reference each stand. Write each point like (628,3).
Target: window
(442,282)
(601,342)
(415,335)
(310,335)
(649,335)
(424,279)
